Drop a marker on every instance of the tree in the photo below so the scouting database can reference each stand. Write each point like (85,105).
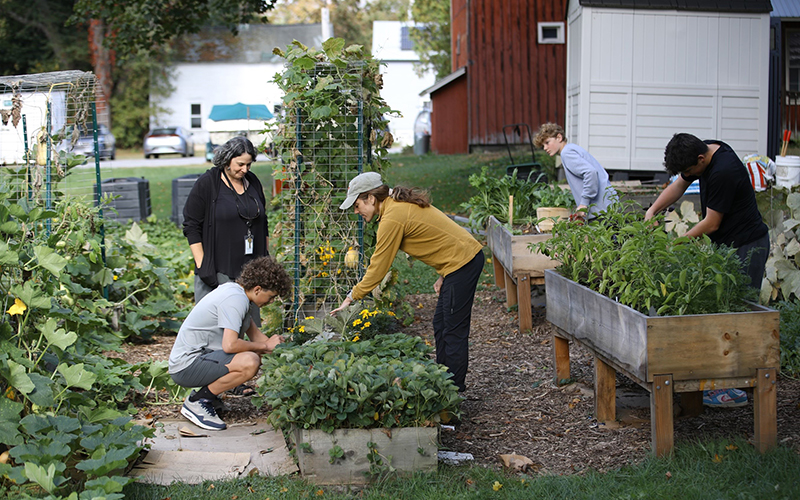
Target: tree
(34,37)
(351,19)
(432,36)
(140,27)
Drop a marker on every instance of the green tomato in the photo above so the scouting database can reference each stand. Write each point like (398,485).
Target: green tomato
(61,244)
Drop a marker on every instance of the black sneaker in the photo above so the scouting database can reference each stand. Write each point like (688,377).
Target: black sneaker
(202,414)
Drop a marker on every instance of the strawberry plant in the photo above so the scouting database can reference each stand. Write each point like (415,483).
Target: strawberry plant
(388,381)
(644,267)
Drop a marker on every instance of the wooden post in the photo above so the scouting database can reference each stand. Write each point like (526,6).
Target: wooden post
(561,358)
(605,391)
(524,299)
(661,415)
(692,403)
(499,273)
(765,410)
(511,291)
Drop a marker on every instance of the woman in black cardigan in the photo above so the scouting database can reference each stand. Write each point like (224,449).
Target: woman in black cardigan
(225,219)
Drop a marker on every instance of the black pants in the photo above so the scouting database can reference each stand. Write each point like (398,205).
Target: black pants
(754,259)
(452,318)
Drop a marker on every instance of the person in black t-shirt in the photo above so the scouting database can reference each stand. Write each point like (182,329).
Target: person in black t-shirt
(729,210)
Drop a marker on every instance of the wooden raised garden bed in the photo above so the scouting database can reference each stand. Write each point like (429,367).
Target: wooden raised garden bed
(516,267)
(403,449)
(668,354)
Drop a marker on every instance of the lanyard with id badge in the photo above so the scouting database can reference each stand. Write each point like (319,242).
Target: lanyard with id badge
(248,238)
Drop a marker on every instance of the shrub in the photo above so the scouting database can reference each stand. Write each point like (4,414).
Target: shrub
(790,337)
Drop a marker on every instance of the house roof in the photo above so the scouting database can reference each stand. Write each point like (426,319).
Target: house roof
(253,44)
(696,5)
(445,81)
(785,8)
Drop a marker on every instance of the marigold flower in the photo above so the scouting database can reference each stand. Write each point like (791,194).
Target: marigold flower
(356,338)
(356,322)
(309,317)
(17,308)
(301,329)
(366,325)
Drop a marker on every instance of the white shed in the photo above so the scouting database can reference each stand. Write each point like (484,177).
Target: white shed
(639,71)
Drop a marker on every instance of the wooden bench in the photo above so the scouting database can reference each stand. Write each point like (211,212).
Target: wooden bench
(668,354)
(516,267)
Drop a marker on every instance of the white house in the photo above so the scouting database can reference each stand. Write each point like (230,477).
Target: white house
(393,47)
(638,72)
(214,67)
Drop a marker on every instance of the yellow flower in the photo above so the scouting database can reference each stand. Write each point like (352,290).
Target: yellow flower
(366,325)
(391,313)
(116,277)
(302,329)
(365,313)
(496,486)
(356,338)
(356,322)
(309,317)
(18,308)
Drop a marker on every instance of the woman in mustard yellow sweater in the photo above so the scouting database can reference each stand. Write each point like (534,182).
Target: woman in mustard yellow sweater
(407,221)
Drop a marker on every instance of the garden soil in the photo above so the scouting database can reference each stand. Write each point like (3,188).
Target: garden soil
(512,405)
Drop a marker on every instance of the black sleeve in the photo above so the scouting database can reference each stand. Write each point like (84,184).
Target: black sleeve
(194,211)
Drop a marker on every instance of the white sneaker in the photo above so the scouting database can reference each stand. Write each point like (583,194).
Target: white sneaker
(202,414)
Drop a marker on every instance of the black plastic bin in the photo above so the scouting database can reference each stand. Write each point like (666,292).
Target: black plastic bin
(130,198)
(181,187)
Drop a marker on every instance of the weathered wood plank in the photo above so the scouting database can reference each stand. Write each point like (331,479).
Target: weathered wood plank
(661,423)
(605,391)
(708,384)
(499,273)
(604,326)
(714,345)
(513,253)
(765,403)
(524,301)
(561,358)
(403,445)
(511,291)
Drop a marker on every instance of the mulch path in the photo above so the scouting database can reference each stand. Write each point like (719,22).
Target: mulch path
(512,405)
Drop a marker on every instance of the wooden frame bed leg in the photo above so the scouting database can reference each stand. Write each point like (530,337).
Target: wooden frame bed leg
(605,391)
(560,358)
(661,423)
(765,407)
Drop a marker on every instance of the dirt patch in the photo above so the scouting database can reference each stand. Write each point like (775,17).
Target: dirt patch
(512,405)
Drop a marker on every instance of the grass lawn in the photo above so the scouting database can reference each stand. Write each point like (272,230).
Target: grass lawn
(711,470)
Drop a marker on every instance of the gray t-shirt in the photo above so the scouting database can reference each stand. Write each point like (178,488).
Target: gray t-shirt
(227,306)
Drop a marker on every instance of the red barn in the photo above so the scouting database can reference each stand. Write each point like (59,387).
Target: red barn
(509,66)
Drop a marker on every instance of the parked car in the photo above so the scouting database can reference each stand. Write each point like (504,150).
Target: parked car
(106,143)
(168,140)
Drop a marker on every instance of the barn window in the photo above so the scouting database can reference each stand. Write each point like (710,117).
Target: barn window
(793,61)
(551,32)
(406,43)
(197,121)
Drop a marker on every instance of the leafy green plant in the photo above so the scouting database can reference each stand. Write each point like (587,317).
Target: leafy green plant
(494,192)
(783,265)
(642,266)
(353,324)
(388,381)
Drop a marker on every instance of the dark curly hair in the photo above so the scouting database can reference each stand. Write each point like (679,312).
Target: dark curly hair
(682,151)
(232,149)
(266,273)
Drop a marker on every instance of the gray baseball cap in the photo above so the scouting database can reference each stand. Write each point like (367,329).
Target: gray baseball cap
(361,184)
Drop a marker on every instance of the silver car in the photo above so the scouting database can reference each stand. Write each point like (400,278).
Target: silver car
(84,143)
(168,140)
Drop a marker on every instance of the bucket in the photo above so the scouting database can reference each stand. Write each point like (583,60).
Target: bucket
(546,225)
(787,171)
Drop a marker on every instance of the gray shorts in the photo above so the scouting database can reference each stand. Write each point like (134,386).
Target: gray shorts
(201,290)
(205,369)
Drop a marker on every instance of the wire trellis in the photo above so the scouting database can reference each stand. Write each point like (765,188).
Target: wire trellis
(43,116)
(325,144)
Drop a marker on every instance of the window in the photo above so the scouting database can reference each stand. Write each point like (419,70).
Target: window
(197,121)
(551,32)
(406,43)
(793,61)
